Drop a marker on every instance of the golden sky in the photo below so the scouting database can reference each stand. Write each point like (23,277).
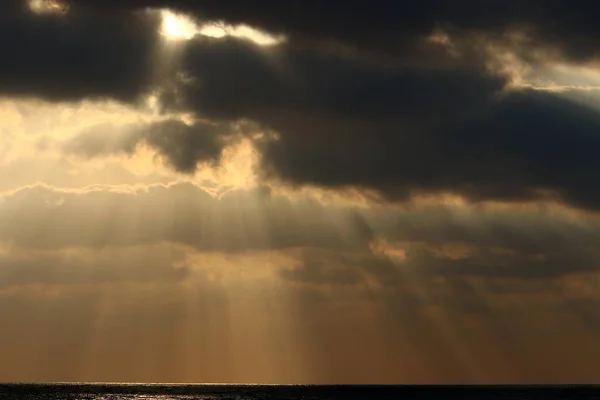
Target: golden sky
(209,193)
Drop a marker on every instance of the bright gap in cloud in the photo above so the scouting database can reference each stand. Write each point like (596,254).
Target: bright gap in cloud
(565,77)
(179,27)
(241,31)
(579,84)
(48,6)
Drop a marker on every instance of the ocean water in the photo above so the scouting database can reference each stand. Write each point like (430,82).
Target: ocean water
(287,392)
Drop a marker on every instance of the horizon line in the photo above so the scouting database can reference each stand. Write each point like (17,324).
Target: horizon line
(118,383)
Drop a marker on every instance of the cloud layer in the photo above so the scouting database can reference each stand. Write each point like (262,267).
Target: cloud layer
(342,119)
(445,240)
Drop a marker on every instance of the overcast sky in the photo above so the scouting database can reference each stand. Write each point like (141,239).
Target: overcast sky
(300,192)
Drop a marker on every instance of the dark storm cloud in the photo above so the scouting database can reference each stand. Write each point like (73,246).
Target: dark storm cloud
(182,146)
(526,143)
(388,26)
(342,120)
(339,118)
(76,55)
(345,122)
(234,78)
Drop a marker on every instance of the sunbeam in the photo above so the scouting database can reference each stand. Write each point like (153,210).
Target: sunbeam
(292,193)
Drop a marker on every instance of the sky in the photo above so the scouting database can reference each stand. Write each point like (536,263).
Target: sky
(299,192)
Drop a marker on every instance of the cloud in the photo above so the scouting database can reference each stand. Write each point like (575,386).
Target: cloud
(341,120)
(234,78)
(77,55)
(182,146)
(482,262)
(181,213)
(332,244)
(422,261)
(391,28)
(527,146)
(71,173)
(327,268)
(117,265)
(401,131)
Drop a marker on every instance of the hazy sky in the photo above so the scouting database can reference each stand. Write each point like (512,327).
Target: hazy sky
(300,192)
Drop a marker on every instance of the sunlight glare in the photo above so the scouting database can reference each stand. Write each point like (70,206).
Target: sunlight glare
(579,84)
(48,6)
(219,30)
(560,78)
(177,27)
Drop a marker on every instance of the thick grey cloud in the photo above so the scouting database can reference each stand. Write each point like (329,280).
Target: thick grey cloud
(401,131)
(182,146)
(234,78)
(77,55)
(528,144)
(342,120)
(391,27)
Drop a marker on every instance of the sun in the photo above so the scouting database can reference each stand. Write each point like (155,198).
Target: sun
(177,27)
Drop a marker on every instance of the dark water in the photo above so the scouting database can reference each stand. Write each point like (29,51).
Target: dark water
(266,392)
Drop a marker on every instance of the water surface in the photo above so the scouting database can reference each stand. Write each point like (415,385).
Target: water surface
(287,392)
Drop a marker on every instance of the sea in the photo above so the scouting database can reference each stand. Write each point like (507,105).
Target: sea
(63,391)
